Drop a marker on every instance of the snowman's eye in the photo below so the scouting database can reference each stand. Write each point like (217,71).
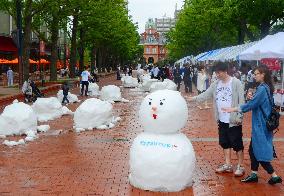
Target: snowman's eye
(161,103)
(150,103)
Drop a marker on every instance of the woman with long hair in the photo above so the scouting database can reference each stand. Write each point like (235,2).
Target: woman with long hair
(261,149)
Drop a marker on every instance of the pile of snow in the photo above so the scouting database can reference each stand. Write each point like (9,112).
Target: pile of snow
(43,128)
(14,143)
(31,136)
(93,89)
(161,158)
(166,84)
(71,97)
(94,113)
(147,82)
(129,82)
(49,109)
(17,118)
(111,93)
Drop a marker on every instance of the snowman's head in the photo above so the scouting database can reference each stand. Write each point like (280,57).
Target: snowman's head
(164,111)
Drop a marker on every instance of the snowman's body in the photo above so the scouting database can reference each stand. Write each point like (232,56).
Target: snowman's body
(161,158)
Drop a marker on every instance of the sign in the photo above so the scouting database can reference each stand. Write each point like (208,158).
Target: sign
(272,64)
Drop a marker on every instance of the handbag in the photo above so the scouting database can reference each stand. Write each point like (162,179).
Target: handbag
(272,120)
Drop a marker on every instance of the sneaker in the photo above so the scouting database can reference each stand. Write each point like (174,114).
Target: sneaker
(240,171)
(251,178)
(275,180)
(224,168)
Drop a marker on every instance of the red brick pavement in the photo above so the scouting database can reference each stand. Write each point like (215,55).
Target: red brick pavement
(62,162)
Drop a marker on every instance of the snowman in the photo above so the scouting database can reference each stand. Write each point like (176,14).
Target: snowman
(162,158)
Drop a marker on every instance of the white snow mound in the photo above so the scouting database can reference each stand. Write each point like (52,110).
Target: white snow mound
(43,128)
(48,109)
(129,82)
(93,89)
(93,113)
(14,143)
(17,118)
(166,84)
(147,82)
(161,162)
(71,97)
(111,93)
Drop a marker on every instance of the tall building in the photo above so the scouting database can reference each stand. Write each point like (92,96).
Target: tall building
(165,23)
(153,42)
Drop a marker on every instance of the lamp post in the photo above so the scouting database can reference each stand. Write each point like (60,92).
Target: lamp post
(19,40)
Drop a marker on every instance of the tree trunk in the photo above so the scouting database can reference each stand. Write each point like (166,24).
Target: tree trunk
(264,28)
(27,39)
(54,48)
(241,35)
(73,57)
(81,50)
(93,58)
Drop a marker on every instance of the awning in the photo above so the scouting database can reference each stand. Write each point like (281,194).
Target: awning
(7,45)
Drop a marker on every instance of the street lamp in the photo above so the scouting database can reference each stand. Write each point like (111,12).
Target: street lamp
(19,40)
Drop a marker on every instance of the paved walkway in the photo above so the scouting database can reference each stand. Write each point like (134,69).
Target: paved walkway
(62,162)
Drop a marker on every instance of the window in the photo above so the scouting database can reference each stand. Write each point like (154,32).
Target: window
(154,50)
(147,50)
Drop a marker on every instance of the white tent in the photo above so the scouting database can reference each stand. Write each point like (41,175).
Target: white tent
(272,46)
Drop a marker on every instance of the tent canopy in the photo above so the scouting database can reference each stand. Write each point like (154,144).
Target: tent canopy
(272,46)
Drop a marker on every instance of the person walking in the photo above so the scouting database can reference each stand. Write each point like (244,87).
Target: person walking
(187,78)
(177,76)
(85,75)
(65,89)
(261,150)
(10,76)
(227,91)
(201,84)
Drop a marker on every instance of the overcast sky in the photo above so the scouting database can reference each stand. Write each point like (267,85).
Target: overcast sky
(141,10)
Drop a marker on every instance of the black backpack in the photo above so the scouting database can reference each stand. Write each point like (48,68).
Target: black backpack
(272,120)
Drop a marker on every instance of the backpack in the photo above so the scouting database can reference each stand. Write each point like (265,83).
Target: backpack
(272,120)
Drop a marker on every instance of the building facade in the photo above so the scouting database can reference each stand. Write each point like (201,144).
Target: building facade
(153,42)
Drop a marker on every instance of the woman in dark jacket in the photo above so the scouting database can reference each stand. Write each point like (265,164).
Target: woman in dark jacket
(261,147)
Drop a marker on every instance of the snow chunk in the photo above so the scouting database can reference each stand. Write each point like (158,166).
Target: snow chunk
(66,111)
(110,93)
(147,82)
(14,143)
(48,109)
(93,113)
(161,162)
(129,82)
(17,118)
(43,128)
(71,97)
(94,89)
(166,84)
(31,136)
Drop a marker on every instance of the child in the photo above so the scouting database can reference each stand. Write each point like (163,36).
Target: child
(65,89)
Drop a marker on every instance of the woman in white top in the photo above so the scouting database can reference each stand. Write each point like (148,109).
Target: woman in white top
(201,84)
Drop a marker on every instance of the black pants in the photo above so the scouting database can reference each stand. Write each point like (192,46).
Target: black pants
(85,83)
(255,163)
(188,86)
(65,99)
(177,81)
(230,137)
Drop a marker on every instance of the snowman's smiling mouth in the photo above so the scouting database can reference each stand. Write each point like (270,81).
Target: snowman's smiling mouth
(155,116)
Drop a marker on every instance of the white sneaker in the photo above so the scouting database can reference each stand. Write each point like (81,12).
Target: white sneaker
(224,168)
(240,171)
